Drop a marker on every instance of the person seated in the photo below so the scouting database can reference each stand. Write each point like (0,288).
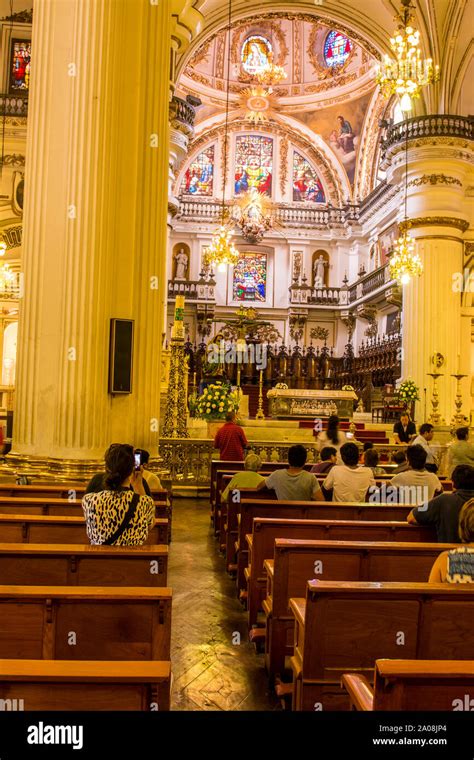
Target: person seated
(247,478)
(120,514)
(416,485)
(349,482)
(443,511)
(294,483)
(327,461)
(149,477)
(96,483)
(423,438)
(404,431)
(461,451)
(457,565)
(400,459)
(367,446)
(333,436)
(371,459)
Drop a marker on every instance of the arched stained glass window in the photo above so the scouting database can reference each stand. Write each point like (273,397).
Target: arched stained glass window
(253,164)
(337,48)
(306,183)
(198,177)
(255,54)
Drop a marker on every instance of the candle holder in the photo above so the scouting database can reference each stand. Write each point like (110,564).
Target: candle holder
(260,415)
(458,418)
(435,417)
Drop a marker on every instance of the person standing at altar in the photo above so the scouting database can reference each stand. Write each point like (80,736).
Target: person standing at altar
(230,440)
(332,436)
(404,431)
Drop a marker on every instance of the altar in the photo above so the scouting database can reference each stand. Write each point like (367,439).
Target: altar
(287,403)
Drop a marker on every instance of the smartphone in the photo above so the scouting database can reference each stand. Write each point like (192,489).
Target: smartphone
(138,462)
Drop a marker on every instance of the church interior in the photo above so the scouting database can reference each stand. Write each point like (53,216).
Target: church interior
(234,236)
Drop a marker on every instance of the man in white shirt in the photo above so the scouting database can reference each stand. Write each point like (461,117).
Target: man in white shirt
(416,486)
(294,483)
(425,434)
(348,481)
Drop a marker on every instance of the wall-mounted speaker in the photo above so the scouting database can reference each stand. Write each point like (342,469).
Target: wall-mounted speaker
(121,355)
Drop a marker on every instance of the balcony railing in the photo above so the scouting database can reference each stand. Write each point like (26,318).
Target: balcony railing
(182,111)
(13,105)
(304,294)
(369,283)
(442,125)
(293,215)
(193,290)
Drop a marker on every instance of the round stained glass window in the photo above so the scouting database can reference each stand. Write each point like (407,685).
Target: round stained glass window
(337,48)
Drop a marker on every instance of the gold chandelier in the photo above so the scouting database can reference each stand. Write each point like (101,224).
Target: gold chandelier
(222,251)
(406,75)
(404,262)
(271,74)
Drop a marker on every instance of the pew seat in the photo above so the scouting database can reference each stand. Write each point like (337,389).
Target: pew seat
(344,627)
(413,685)
(84,686)
(79,565)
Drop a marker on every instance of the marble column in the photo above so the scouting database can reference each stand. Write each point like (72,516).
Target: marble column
(95,226)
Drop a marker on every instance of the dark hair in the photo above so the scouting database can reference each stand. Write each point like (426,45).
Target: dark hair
(416,456)
(399,457)
(466,522)
(404,414)
(350,454)
(327,452)
(297,455)
(119,464)
(462,433)
(425,428)
(144,455)
(333,428)
(371,458)
(463,477)
(368,445)
(230,416)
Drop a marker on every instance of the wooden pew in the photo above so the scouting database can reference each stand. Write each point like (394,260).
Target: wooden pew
(296,561)
(343,627)
(53,529)
(85,623)
(315,510)
(79,565)
(84,686)
(413,685)
(58,491)
(261,544)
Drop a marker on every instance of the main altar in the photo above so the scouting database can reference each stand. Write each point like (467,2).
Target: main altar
(289,403)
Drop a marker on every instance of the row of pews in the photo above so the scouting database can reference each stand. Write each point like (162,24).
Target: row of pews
(81,627)
(337,598)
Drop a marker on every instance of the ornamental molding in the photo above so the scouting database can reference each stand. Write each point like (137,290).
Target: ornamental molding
(22,17)
(283,164)
(434,221)
(434,179)
(13,159)
(258,25)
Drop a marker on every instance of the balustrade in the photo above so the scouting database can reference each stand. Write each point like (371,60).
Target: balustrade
(436,125)
(13,105)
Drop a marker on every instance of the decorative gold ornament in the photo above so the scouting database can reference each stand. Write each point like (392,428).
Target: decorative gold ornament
(408,73)
(253,214)
(222,251)
(404,262)
(271,74)
(434,221)
(458,418)
(260,415)
(434,179)
(435,417)
(258,102)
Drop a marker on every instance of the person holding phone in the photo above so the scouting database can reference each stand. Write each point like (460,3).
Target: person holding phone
(96,483)
(121,513)
(149,477)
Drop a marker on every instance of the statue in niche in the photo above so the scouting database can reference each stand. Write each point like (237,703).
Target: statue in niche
(319,272)
(181,260)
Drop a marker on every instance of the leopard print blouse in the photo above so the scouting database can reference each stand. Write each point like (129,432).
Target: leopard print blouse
(104,511)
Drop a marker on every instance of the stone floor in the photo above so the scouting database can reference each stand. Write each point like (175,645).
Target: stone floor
(211,669)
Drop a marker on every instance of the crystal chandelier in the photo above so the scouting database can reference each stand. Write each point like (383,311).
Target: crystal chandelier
(7,280)
(271,74)
(406,75)
(404,262)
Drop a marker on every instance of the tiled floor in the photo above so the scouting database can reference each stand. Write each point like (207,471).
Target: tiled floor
(211,669)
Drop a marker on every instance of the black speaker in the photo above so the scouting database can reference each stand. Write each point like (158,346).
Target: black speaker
(121,355)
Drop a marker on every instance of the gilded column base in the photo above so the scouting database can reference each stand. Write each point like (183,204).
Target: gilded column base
(51,470)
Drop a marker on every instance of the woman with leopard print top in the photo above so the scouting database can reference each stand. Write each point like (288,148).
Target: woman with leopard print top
(120,514)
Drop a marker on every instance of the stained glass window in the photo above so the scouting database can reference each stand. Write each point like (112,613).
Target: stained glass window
(250,277)
(198,177)
(306,183)
(253,163)
(20,65)
(337,48)
(255,54)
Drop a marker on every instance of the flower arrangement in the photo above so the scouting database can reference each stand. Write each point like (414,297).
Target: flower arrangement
(281,387)
(216,400)
(407,391)
(347,388)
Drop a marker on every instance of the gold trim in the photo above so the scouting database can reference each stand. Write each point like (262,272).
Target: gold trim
(440,237)
(434,221)
(434,179)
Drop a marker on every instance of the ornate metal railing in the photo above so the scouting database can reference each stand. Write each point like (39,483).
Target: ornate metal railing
(291,215)
(437,125)
(369,283)
(182,111)
(193,290)
(13,105)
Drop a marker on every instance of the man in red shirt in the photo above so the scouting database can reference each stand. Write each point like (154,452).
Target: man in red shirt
(230,440)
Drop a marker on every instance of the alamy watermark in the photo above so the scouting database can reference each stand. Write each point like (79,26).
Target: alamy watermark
(231,352)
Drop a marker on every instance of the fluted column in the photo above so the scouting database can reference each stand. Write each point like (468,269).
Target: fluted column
(95,224)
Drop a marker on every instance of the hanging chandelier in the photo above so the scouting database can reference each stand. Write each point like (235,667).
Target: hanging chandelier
(7,281)
(404,262)
(271,74)
(408,73)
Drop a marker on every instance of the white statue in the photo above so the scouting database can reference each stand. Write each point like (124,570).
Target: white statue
(181,265)
(318,272)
